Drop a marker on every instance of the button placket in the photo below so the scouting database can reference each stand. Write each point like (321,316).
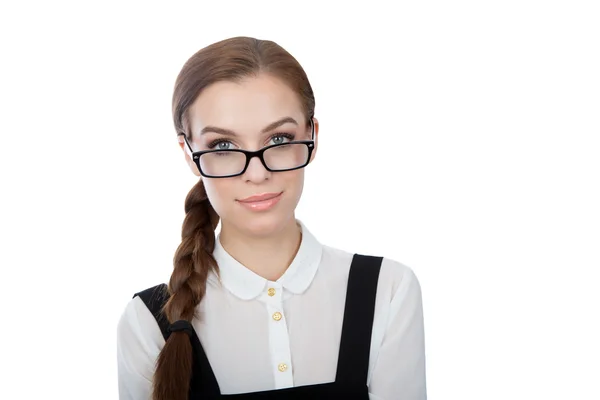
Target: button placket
(279,341)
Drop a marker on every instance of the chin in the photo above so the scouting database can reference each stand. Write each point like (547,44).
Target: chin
(263,223)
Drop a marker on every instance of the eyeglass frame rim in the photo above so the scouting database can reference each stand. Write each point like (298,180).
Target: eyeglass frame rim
(195,155)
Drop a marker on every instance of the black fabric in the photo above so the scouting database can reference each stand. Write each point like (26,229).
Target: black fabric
(155,298)
(355,344)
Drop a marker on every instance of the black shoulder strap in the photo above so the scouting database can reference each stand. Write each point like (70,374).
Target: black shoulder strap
(155,298)
(355,344)
(203,381)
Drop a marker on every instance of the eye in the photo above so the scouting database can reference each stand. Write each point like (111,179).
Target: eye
(219,144)
(280,138)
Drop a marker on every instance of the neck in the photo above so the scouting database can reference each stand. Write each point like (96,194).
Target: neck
(267,256)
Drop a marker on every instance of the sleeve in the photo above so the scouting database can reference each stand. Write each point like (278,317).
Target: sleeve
(399,372)
(139,342)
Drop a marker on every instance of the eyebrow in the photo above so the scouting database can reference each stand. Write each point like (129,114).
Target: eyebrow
(270,127)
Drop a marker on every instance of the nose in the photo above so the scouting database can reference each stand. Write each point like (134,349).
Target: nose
(256,171)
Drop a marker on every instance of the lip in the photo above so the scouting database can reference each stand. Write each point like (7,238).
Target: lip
(261,203)
(260,197)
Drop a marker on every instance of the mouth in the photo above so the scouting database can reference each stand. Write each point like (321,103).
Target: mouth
(261,202)
(260,198)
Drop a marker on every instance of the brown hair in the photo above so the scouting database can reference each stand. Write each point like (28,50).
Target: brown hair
(228,60)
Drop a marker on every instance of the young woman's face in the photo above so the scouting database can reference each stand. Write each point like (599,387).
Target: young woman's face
(246,109)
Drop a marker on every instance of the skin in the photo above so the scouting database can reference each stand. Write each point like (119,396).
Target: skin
(246,108)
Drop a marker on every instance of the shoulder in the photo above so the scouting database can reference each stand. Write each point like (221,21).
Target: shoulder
(139,342)
(154,297)
(398,276)
(138,325)
(394,276)
(341,259)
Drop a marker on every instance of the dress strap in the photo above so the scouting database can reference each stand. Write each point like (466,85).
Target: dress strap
(203,383)
(355,344)
(155,299)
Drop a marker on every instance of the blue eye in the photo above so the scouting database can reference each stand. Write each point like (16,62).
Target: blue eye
(220,144)
(279,138)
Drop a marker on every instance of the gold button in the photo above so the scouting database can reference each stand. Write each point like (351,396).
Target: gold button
(282,367)
(277,316)
(271,292)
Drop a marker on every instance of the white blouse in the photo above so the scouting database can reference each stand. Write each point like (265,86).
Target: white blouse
(249,327)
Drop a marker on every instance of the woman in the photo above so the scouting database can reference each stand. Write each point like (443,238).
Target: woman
(263,310)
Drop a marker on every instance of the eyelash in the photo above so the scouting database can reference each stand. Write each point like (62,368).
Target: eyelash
(215,142)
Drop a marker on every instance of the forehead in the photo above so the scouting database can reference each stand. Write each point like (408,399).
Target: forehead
(246,106)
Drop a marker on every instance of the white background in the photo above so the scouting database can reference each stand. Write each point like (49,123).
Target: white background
(460,138)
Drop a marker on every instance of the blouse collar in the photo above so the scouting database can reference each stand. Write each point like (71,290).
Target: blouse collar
(246,284)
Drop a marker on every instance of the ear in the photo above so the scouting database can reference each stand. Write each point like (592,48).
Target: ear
(188,158)
(314,152)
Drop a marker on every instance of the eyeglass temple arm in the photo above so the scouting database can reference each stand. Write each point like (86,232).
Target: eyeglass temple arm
(188,149)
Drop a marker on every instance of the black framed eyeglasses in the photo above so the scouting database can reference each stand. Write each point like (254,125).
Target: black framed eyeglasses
(227,163)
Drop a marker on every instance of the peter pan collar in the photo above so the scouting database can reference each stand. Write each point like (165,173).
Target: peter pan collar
(246,285)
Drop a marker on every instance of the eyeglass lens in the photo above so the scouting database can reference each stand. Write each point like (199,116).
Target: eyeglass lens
(223,163)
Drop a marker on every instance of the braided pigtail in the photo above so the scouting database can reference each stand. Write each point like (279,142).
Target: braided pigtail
(193,261)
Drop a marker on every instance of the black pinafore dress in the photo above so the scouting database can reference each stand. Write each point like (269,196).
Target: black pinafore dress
(353,360)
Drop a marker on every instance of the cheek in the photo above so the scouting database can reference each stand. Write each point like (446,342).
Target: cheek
(293,183)
(219,193)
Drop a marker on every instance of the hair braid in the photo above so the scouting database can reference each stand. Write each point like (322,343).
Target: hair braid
(192,262)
